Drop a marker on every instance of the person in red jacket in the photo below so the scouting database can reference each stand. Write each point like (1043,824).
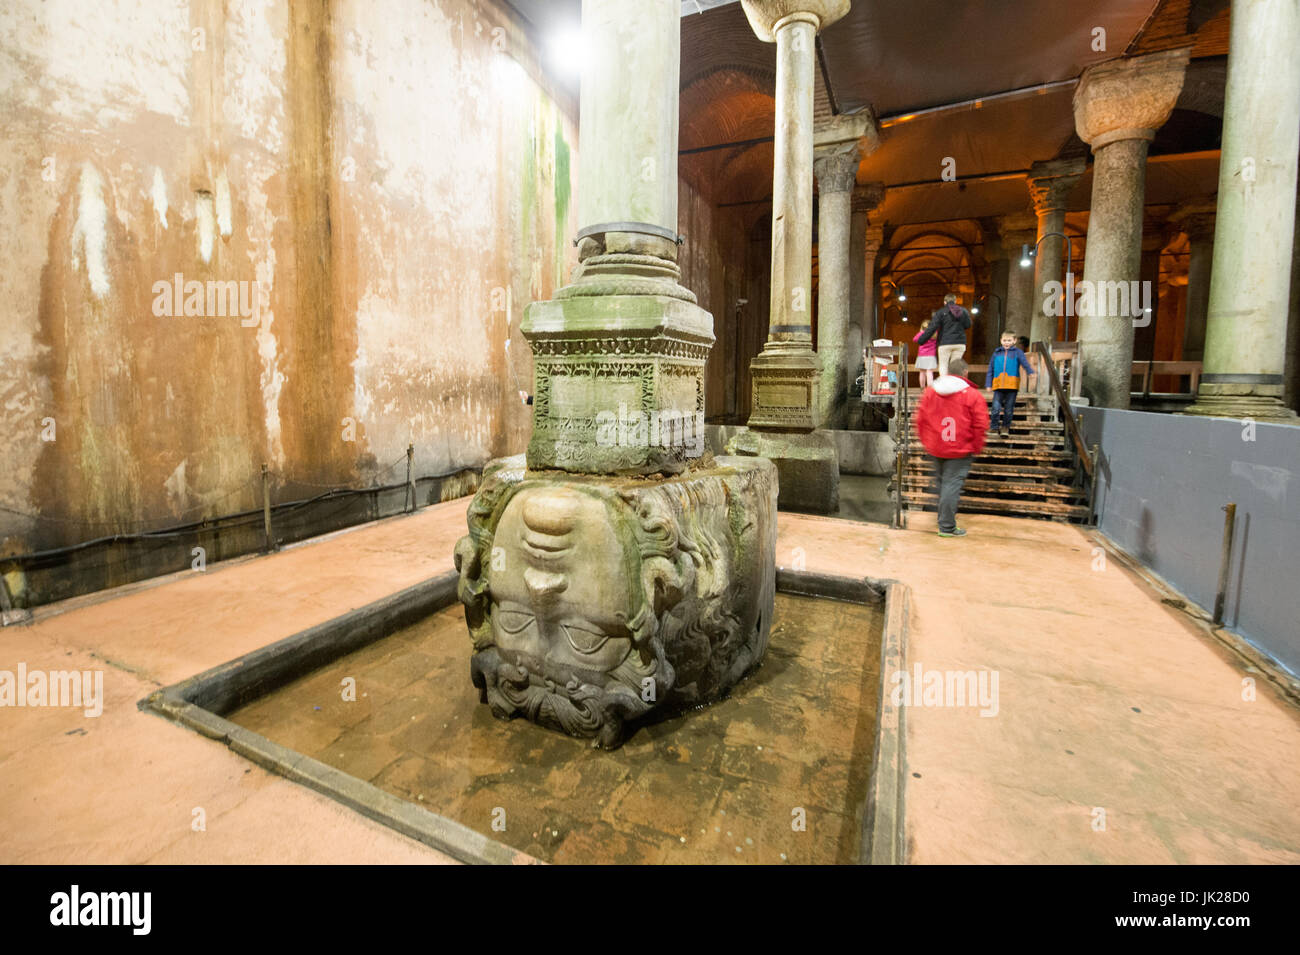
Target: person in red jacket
(951,423)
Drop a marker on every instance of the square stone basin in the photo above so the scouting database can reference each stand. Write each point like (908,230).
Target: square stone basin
(386,720)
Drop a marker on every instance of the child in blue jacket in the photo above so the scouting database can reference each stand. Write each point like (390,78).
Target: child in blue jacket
(1003,377)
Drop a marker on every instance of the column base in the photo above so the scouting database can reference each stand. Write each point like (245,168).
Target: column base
(1255,407)
(618,383)
(784,387)
(807,466)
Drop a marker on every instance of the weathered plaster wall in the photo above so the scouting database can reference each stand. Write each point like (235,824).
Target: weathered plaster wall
(391,180)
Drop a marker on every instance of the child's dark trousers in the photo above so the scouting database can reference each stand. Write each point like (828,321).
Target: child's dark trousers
(1004,404)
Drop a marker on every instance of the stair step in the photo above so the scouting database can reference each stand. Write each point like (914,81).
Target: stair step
(1008,455)
(1009,447)
(1000,488)
(1014,508)
(922,465)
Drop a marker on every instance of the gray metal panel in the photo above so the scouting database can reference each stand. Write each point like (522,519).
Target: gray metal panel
(1163,481)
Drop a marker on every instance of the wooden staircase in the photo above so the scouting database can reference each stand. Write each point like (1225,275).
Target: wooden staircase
(1032,473)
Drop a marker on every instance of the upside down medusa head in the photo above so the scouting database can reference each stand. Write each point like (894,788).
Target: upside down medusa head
(592,603)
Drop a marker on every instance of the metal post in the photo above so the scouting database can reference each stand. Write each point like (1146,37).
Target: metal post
(1225,561)
(410,487)
(1092,491)
(266,507)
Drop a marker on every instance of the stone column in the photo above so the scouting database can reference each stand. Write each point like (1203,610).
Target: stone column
(1118,106)
(1017,232)
(836,174)
(1245,337)
(873,238)
(620,350)
(1050,184)
(784,374)
(840,144)
(1196,219)
(995,306)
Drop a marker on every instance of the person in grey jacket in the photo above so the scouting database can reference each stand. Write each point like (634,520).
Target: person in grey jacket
(949,324)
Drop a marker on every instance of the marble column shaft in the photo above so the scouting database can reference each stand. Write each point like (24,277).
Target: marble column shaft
(1197,221)
(1246,331)
(1017,232)
(1050,185)
(836,175)
(792,183)
(873,239)
(628,140)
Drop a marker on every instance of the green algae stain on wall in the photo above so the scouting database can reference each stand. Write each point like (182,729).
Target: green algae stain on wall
(528,189)
(562,190)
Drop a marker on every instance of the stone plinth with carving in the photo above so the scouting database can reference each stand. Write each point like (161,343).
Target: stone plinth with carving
(606,365)
(594,602)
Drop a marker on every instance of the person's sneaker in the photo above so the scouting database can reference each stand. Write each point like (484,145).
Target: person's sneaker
(1006,432)
(955,532)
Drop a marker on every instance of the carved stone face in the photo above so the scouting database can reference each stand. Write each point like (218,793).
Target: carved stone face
(562,597)
(592,601)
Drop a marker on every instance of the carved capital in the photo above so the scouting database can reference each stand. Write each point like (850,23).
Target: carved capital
(1050,183)
(868,196)
(836,171)
(1128,98)
(874,238)
(1196,219)
(765,16)
(847,131)
(1017,230)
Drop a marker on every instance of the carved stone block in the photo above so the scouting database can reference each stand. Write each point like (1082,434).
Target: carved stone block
(594,601)
(783,387)
(618,383)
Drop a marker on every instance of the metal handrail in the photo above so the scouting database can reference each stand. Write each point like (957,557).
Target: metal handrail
(1049,368)
(902,413)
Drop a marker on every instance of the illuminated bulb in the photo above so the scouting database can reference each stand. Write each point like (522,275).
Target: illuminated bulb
(567,51)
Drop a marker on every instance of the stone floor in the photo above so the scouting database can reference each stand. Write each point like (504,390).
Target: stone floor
(776,772)
(1121,734)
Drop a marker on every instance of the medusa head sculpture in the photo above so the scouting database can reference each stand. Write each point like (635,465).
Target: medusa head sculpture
(592,602)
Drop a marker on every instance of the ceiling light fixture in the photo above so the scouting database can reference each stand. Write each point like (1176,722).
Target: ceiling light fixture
(567,51)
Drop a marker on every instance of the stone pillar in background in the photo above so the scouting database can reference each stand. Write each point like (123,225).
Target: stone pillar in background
(1196,219)
(784,374)
(993,311)
(836,175)
(1145,323)
(1050,184)
(1118,106)
(873,238)
(1246,333)
(626,286)
(857,287)
(839,146)
(1017,232)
